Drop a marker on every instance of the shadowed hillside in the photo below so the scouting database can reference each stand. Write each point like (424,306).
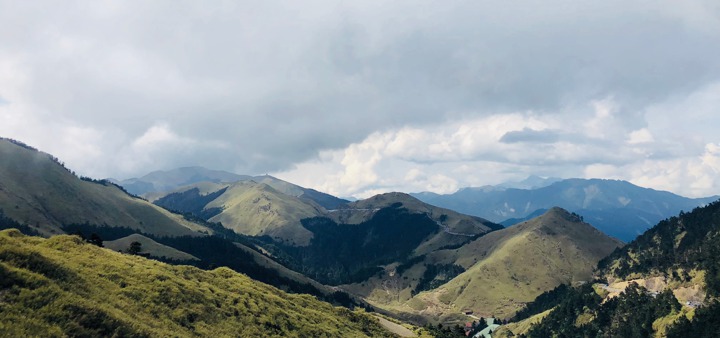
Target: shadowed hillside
(35,189)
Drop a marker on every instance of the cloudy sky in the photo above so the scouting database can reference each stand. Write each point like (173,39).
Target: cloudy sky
(360,97)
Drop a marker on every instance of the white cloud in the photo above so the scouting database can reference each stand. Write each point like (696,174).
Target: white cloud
(351,97)
(640,136)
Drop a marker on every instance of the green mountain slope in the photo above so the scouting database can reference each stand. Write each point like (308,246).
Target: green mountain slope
(354,243)
(664,283)
(160,183)
(35,189)
(257,209)
(494,274)
(149,247)
(248,208)
(325,200)
(65,287)
(40,196)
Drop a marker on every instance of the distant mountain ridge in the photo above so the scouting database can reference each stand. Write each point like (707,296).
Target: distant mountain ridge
(162,182)
(166,180)
(618,208)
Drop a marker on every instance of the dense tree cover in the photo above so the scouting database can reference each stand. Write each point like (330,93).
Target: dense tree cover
(629,315)
(440,331)
(9,223)
(106,232)
(688,241)
(705,324)
(436,275)
(478,326)
(192,202)
(19,143)
(64,287)
(135,248)
(346,253)
(545,301)
(408,263)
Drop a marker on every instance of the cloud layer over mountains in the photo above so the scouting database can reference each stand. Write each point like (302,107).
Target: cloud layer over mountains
(356,98)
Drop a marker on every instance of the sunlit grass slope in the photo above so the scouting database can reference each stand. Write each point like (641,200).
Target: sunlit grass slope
(149,247)
(503,270)
(37,191)
(63,286)
(257,209)
(510,267)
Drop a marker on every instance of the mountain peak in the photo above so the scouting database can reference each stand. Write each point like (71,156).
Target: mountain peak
(563,214)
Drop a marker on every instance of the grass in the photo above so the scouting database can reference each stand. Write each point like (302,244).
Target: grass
(63,286)
(504,270)
(257,209)
(150,247)
(521,327)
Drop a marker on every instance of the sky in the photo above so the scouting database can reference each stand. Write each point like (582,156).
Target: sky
(360,97)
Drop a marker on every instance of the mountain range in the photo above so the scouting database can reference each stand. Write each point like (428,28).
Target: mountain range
(159,183)
(665,283)
(392,253)
(494,274)
(39,195)
(618,208)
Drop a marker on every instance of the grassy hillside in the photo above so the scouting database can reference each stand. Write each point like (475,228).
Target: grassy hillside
(494,274)
(257,209)
(325,200)
(35,189)
(149,247)
(665,283)
(160,183)
(63,286)
(248,208)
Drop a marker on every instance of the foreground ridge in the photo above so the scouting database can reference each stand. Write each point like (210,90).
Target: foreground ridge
(63,286)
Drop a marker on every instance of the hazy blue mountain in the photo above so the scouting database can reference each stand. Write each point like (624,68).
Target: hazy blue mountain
(512,221)
(618,208)
(166,180)
(531,182)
